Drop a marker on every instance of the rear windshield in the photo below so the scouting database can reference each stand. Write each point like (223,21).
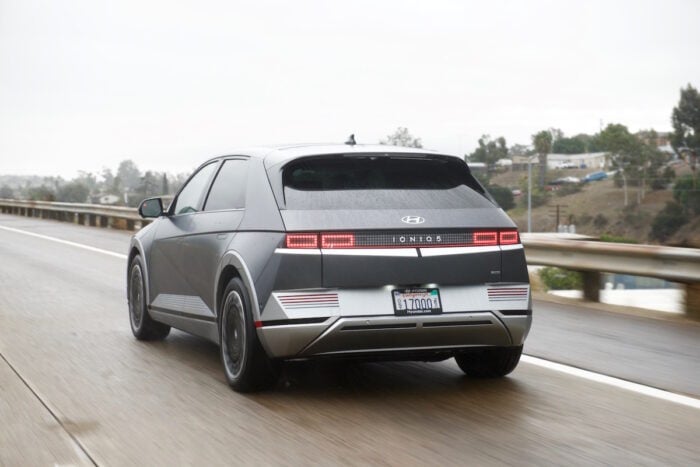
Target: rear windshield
(380,182)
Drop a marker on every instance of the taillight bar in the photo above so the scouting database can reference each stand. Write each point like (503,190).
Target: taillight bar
(346,240)
(485,238)
(508,237)
(337,240)
(301,240)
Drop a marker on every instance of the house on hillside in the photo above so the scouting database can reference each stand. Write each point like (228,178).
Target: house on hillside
(591,160)
(105,198)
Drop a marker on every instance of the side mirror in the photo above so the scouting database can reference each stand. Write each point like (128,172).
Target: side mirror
(151,207)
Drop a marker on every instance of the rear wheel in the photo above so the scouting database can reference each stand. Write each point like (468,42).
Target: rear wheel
(246,365)
(142,325)
(491,362)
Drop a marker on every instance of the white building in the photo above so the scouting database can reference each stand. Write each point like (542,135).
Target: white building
(591,160)
(108,199)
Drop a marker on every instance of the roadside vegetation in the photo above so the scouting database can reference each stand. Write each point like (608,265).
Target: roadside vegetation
(126,186)
(648,190)
(560,279)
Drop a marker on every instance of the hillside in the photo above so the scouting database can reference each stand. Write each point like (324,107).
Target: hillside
(597,209)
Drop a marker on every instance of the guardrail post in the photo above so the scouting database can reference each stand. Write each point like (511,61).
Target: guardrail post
(80,219)
(104,221)
(692,300)
(591,285)
(92,218)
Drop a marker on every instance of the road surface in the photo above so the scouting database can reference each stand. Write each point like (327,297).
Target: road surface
(76,388)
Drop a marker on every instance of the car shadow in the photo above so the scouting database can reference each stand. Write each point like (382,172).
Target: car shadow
(334,380)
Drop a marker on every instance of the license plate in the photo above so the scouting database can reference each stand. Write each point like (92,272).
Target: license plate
(409,302)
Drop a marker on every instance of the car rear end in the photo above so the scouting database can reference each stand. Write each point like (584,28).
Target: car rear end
(391,255)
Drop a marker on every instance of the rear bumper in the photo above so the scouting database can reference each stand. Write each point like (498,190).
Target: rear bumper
(359,321)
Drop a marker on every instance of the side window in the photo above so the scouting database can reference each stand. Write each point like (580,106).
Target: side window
(228,190)
(190,196)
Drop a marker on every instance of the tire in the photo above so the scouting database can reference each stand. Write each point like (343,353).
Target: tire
(142,325)
(493,362)
(246,365)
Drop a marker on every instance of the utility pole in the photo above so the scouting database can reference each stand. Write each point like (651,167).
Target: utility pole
(558,212)
(529,194)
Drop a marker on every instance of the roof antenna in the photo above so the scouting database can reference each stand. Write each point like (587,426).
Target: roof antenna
(351,140)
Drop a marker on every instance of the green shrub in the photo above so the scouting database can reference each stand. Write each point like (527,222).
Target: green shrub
(615,239)
(660,182)
(539,197)
(569,189)
(503,196)
(584,219)
(686,191)
(618,179)
(668,221)
(635,217)
(600,221)
(560,279)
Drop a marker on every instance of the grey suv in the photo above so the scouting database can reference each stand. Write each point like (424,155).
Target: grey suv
(346,251)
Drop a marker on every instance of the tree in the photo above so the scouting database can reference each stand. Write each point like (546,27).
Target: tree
(668,221)
(489,150)
(687,194)
(686,120)
(129,175)
(520,150)
(6,192)
(164,185)
(110,183)
(148,187)
(591,143)
(88,179)
(542,143)
(568,146)
(503,196)
(622,148)
(40,193)
(73,192)
(401,137)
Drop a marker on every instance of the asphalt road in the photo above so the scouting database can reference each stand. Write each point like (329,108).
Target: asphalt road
(76,388)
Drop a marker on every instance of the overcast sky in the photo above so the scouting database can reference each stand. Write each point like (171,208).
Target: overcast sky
(85,84)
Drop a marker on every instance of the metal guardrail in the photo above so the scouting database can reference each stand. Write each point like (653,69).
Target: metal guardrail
(86,214)
(670,263)
(591,258)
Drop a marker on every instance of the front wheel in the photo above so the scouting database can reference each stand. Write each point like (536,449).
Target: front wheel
(246,365)
(142,325)
(490,362)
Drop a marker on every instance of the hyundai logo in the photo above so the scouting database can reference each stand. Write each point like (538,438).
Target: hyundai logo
(412,220)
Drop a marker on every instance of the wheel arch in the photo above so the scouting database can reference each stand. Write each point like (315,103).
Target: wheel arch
(232,265)
(136,249)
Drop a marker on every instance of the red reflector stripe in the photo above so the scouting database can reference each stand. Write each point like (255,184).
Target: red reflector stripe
(507,293)
(302,240)
(258,324)
(342,240)
(309,300)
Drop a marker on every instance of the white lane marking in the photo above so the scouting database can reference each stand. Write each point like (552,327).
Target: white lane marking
(612,381)
(65,242)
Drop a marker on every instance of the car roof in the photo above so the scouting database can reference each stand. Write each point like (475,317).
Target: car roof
(274,155)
